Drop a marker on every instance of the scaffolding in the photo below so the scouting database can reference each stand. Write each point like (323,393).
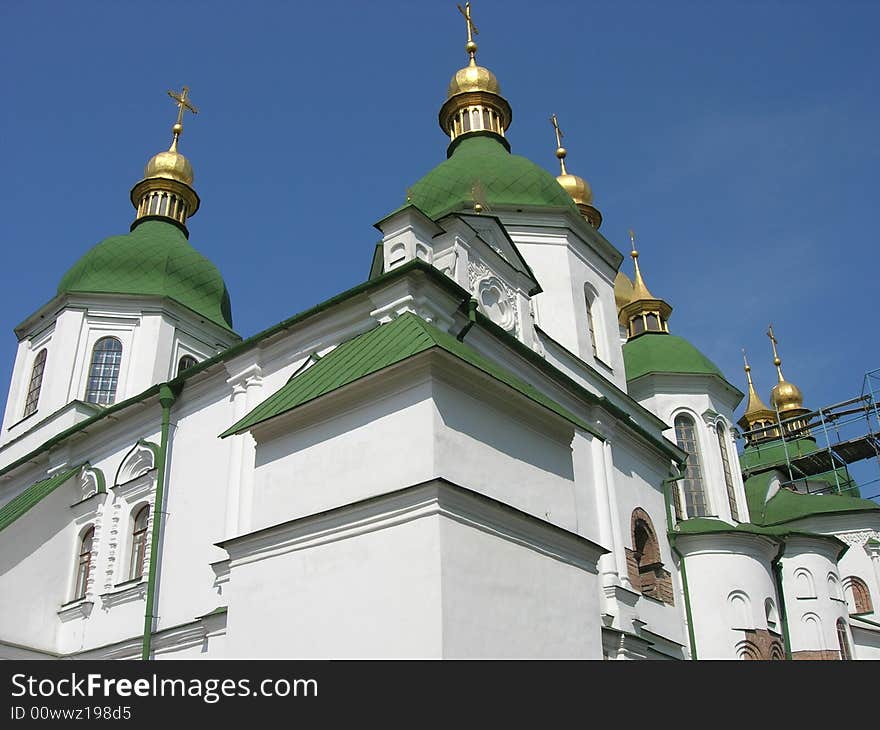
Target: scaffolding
(850,431)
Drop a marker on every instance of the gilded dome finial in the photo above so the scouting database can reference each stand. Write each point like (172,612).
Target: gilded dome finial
(470,46)
(166,190)
(183,104)
(786,397)
(776,361)
(561,152)
(578,188)
(757,415)
(473,99)
(640,289)
(643,312)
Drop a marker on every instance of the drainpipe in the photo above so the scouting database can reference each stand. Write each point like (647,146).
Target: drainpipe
(783,614)
(472,318)
(667,485)
(167,396)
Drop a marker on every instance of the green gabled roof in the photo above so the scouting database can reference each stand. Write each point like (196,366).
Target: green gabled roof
(379,348)
(504,179)
(155,259)
(786,506)
(31,496)
(658,352)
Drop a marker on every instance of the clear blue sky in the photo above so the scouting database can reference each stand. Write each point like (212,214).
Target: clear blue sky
(739,139)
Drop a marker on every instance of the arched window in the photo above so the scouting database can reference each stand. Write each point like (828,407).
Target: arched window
(858,597)
(84,563)
(138,542)
(36,383)
(591,304)
(728,474)
(843,640)
(692,484)
(187,361)
(104,371)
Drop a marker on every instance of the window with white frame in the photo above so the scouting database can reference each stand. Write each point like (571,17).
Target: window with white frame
(83,563)
(104,371)
(692,485)
(728,472)
(139,543)
(36,383)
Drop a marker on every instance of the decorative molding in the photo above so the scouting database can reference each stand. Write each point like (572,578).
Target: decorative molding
(81,608)
(137,462)
(858,537)
(91,481)
(134,590)
(486,285)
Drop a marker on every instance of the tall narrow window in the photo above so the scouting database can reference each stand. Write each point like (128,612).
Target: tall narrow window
(104,371)
(692,484)
(187,361)
(33,394)
(728,475)
(591,323)
(139,542)
(84,563)
(843,640)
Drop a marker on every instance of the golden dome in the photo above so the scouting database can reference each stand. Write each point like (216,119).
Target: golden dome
(786,396)
(473,78)
(170,164)
(623,290)
(578,188)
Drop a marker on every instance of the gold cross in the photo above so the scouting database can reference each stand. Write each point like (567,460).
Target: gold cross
(183,103)
(466,12)
(555,122)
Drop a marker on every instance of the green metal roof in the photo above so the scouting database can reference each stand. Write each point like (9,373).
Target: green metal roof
(379,348)
(786,506)
(711,526)
(155,259)
(31,496)
(658,352)
(771,455)
(504,179)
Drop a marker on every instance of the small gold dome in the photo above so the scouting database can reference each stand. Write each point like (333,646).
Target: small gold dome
(623,290)
(473,78)
(786,396)
(578,188)
(170,164)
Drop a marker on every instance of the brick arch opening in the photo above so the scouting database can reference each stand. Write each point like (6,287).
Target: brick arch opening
(644,563)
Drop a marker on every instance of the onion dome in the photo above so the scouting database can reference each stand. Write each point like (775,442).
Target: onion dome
(166,190)
(156,259)
(473,100)
(643,312)
(578,188)
(757,417)
(785,396)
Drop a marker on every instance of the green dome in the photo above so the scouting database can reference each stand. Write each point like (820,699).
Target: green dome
(155,259)
(655,352)
(506,180)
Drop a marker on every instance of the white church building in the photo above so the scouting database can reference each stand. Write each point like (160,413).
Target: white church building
(496,446)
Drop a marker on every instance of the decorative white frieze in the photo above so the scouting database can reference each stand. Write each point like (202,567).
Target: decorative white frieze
(497,299)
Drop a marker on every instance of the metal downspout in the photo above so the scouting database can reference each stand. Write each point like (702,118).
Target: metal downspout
(167,396)
(682,569)
(783,614)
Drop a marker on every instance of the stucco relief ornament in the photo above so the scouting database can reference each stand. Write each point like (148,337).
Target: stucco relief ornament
(858,537)
(497,299)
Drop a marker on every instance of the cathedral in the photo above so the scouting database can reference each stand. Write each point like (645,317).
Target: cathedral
(495,446)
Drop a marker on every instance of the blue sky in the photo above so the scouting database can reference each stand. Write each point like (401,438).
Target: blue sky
(739,140)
